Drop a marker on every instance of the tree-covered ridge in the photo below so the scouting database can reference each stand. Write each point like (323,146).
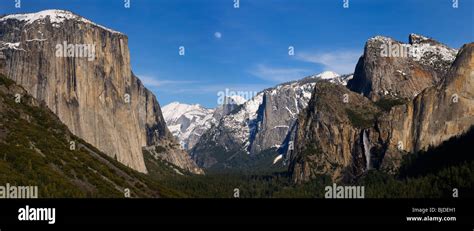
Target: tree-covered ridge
(429,174)
(35,150)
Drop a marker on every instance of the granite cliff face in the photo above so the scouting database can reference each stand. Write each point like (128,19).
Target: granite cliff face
(344,139)
(265,123)
(438,113)
(330,134)
(390,68)
(82,72)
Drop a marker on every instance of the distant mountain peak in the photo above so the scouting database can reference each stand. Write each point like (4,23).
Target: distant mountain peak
(416,38)
(187,122)
(235,99)
(174,110)
(380,38)
(327,75)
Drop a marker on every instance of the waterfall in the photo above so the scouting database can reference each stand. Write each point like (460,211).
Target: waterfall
(365,141)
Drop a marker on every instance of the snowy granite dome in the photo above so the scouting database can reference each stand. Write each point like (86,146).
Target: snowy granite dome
(56,17)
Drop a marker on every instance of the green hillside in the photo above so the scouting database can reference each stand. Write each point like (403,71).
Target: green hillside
(35,151)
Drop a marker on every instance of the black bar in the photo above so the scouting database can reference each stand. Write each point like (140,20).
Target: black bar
(242,211)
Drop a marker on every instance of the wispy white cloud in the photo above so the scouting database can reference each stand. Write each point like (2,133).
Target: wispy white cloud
(218,35)
(196,87)
(278,74)
(154,82)
(342,62)
(204,89)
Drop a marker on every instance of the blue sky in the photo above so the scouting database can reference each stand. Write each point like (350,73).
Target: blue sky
(246,49)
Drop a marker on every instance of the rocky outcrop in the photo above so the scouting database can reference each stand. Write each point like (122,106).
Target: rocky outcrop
(329,137)
(438,113)
(82,72)
(390,68)
(170,151)
(344,140)
(228,105)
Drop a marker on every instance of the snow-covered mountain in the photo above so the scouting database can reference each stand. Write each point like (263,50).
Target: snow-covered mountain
(188,122)
(334,77)
(327,75)
(265,122)
(228,104)
(55,17)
